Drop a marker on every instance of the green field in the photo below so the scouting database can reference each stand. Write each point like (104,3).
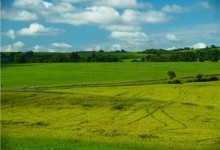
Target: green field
(56,74)
(145,116)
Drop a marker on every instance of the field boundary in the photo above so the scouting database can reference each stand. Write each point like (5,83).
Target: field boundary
(143,82)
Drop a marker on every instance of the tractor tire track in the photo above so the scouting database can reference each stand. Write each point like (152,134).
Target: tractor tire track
(127,115)
(150,113)
(164,123)
(180,98)
(133,112)
(153,116)
(184,126)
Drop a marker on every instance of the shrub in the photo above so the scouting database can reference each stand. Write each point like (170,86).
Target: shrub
(176,81)
(213,78)
(134,60)
(169,82)
(173,81)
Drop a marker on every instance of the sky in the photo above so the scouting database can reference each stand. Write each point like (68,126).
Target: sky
(88,25)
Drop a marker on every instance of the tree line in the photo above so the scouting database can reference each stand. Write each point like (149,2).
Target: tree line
(150,55)
(29,57)
(183,56)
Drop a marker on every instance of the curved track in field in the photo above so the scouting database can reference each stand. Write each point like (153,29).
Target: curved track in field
(161,108)
(152,110)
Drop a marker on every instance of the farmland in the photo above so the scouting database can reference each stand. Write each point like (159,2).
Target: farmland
(56,74)
(50,112)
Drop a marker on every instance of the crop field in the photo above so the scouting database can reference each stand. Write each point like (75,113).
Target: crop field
(56,74)
(138,116)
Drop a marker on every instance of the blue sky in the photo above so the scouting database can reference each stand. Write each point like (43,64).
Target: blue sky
(85,25)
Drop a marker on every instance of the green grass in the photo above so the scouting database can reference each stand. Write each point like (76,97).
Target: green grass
(182,116)
(54,74)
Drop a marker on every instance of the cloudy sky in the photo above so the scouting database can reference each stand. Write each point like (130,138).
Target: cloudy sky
(77,25)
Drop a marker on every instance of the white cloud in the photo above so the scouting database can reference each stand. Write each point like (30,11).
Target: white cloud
(171,48)
(136,38)
(99,12)
(155,17)
(97,48)
(10,34)
(118,3)
(53,47)
(18,15)
(199,45)
(121,28)
(36,29)
(172,8)
(152,16)
(101,15)
(36,48)
(113,3)
(18,44)
(172,37)
(15,47)
(43,7)
(127,35)
(90,15)
(61,45)
(115,47)
(33,3)
(62,8)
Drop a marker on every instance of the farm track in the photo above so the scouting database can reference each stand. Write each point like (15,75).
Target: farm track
(180,98)
(161,108)
(131,83)
(150,113)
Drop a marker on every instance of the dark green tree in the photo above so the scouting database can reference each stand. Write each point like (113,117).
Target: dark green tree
(142,59)
(20,58)
(74,57)
(101,51)
(199,77)
(171,74)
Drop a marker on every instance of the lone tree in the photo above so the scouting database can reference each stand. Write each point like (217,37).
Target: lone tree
(172,79)
(171,74)
(199,77)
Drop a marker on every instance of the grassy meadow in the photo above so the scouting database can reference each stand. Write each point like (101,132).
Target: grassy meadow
(145,116)
(56,74)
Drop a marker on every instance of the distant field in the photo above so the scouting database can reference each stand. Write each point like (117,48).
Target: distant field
(54,74)
(158,116)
